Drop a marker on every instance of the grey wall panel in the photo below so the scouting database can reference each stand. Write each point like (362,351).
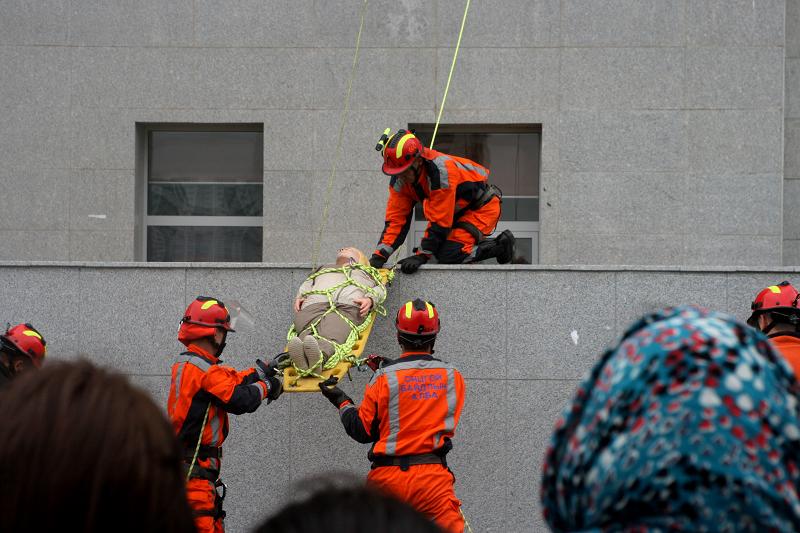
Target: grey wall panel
(622,23)
(553,306)
(33,137)
(734,77)
(718,142)
(29,196)
(623,140)
(736,250)
(482,79)
(48,298)
(791,151)
(723,23)
(35,75)
(517,23)
(127,317)
(108,207)
(792,28)
(135,316)
(791,203)
(735,196)
(532,410)
(582,248)
(143,23)
(591,78)
(101,245)
(253,24)
(44,23)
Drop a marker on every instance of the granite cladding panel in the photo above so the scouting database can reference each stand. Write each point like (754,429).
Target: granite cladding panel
(735,22)
(573,312)
(532,408)
(39,295)
(639,293)
(135,313)
(29,196)
(624,140)
(515,23)
(734,77)
(591,78)
(44,22)
(622,23)
(123,23)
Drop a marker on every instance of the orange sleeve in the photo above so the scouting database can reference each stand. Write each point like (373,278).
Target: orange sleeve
(439,209)
(237,394)
(399,215)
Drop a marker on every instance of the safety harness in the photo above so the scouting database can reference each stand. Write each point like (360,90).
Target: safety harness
(343,352)
(486,196)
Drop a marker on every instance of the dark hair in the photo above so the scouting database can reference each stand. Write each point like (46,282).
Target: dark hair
(409,347)
(347,509)
(82,449)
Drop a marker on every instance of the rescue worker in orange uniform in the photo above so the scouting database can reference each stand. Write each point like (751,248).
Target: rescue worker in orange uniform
(461,207)
(22,349)
(410,411)
(202,394)
(776,314)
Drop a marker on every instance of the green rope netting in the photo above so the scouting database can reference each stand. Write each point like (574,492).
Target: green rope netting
(343,351)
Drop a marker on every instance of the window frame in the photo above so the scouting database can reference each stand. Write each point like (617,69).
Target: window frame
(520,229)
(145,220)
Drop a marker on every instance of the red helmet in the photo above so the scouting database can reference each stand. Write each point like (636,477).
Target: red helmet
(23,339)
(417,322)
(778,300)
(202,319)
(399,151)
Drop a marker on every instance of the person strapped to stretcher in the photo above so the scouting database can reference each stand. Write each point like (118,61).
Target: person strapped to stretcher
(333,306)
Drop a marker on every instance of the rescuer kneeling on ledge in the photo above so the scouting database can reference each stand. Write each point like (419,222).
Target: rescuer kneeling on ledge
(461,207)
(410,411)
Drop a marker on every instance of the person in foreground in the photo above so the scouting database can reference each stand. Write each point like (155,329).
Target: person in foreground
(689,424)
(22,349)
(410,411)
(775,313)
(83,450)
(347,509)
(332,303)
(202,393)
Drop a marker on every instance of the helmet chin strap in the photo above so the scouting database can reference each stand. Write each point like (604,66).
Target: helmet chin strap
(219,346)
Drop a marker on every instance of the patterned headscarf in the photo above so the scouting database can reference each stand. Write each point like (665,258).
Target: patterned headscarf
(690,424)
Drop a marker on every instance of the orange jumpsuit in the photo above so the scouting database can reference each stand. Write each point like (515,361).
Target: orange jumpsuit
(452,191)
(200,382)
(789,346)
(410,411)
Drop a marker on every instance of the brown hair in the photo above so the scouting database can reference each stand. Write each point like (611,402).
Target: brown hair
(82,449)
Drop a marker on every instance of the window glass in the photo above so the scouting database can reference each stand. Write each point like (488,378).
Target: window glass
(206,156)
(204,243)
(205,199)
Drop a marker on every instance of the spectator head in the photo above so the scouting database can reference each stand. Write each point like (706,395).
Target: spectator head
(347,507)
(690,422)
(81,449)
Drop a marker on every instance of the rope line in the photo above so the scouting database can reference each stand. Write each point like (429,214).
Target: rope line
(450,76)
(197,448)
(345,112)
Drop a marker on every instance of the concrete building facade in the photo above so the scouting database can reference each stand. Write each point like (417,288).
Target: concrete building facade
(662,121)
(669,133)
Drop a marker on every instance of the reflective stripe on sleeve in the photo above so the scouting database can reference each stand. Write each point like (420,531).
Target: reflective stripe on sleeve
(213,422)
(394,413)
(443,180)
(473,168)
(452,399)
(386,248)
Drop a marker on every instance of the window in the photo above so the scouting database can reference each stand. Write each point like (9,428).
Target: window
(203,192)
(511,153)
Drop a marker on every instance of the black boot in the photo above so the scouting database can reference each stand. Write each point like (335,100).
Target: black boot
(502,247)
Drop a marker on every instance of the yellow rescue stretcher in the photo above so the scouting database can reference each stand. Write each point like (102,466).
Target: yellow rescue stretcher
(294,383)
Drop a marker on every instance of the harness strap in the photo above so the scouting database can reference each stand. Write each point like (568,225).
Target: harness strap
(470,228)
(200,472)
(491,191)
(205,452)
(404,461)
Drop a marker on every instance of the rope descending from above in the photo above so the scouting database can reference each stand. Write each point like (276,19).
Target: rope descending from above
(344,351)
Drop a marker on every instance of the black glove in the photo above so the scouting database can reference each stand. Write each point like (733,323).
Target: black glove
(377,261)
(333,393)
(411,264)
(271,368)
(275,388)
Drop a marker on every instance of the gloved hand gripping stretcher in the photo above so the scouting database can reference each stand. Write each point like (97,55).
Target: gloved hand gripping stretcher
(348,353)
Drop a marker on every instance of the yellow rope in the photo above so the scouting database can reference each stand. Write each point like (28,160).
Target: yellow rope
(469,528)
(318,240)
(197,448)
(450,76)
